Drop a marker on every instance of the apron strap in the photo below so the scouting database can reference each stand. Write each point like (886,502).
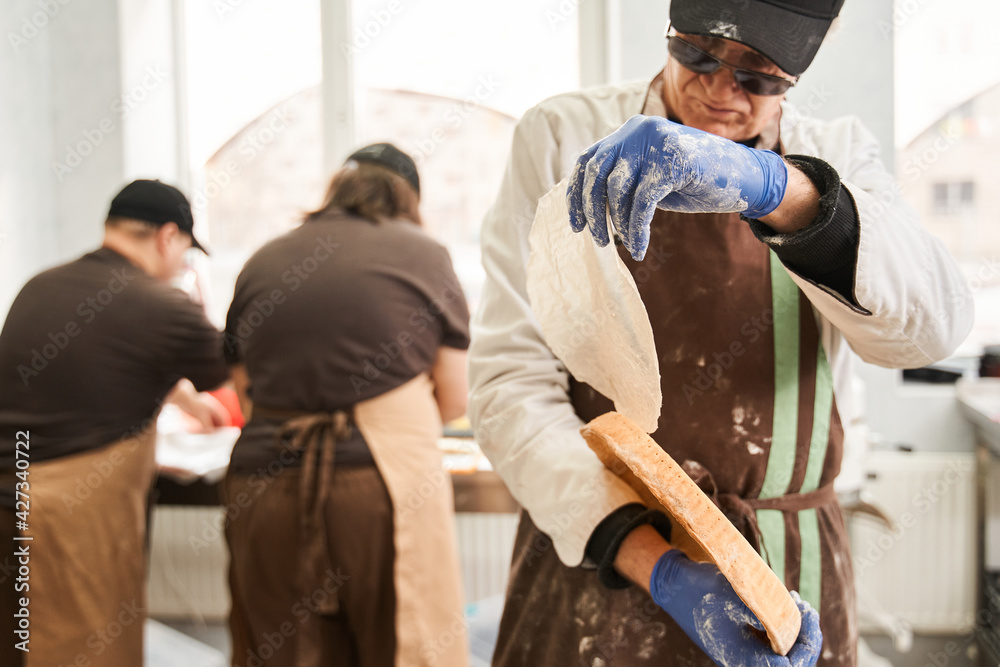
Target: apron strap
(315,436)
(745,509)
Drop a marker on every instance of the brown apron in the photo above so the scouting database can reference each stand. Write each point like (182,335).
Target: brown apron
(88,555)
(748,408)
(401,428)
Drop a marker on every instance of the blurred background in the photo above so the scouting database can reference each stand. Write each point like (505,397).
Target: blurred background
(249,105)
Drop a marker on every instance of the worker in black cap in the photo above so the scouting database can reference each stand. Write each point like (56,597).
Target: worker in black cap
(347,340)
(89,352)
(765,246)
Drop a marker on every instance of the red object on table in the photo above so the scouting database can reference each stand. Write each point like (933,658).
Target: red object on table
(231,402)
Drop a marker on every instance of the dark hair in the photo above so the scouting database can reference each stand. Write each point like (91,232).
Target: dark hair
(370,191)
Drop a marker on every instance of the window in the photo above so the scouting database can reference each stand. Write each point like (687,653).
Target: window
(953,198)
(253,127)
(948,137)
(446,81)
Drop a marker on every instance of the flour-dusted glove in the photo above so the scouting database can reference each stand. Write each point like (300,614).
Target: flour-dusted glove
(699,598)
(650,161)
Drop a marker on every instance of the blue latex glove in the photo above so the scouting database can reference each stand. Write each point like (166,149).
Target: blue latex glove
(699,598)
(650,161)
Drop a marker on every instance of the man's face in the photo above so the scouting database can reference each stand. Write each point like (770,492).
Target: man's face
(172,244)
(715,102)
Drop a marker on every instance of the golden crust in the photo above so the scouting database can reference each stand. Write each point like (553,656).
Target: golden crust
(701,530)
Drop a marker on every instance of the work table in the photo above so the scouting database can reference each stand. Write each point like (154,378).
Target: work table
(191,466)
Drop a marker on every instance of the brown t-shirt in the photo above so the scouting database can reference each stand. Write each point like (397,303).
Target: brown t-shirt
(88,353)
(335,312)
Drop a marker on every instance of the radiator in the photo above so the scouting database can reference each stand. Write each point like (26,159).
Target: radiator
(485,543)
(922,569)
(188,564)
(189,560)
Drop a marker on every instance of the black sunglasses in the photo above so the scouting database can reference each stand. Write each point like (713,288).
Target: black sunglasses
(700,62)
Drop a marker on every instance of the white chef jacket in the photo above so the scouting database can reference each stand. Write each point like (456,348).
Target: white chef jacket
(915,305)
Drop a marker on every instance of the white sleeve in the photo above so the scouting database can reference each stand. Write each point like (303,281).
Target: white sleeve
(915,304)
(519,405)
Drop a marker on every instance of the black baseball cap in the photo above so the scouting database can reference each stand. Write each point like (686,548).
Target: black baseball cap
(789,32)
(158,203)
(391,158)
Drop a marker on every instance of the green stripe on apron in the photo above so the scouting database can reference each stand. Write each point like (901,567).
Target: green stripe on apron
(771,524)
(785,303)
(811,566)
(811,571)
(822,410)
(781,460)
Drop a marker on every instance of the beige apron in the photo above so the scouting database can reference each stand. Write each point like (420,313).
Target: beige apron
(402,428)
(88,555)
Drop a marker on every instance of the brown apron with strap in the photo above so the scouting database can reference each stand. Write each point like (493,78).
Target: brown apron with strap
(87,521)
(748,410)
(401,428)
(314,436)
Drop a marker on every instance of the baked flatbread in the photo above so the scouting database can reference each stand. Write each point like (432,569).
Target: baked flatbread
(701,530)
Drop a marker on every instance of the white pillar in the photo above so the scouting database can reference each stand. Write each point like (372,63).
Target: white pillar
(338,83)
(149,110)
(595,40)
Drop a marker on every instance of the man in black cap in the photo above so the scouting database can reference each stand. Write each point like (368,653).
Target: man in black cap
(88,354)
(776,245)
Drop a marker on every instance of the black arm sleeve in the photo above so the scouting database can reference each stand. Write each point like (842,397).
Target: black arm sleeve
(604,542)
(826,251)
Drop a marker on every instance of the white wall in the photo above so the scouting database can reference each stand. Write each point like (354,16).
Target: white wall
(52,68)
